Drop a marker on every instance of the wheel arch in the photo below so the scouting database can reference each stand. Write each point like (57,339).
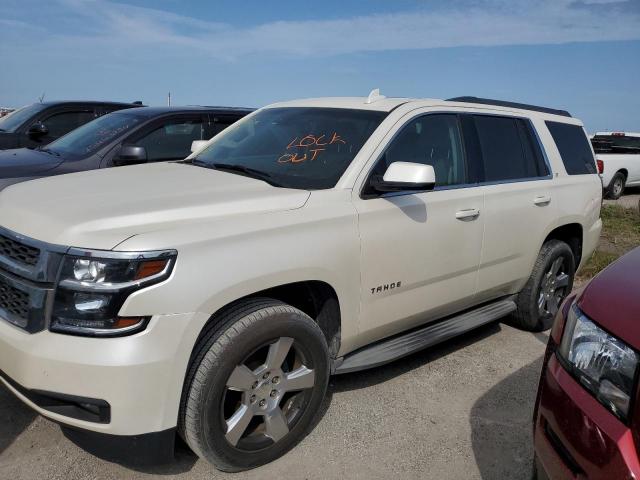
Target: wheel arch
(316,298)
(572,234)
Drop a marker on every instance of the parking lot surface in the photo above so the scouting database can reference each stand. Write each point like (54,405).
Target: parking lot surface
(630,199)
(460,410)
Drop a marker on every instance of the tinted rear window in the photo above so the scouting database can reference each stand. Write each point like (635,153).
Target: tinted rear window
(508,149)
(620,144)
(573,146)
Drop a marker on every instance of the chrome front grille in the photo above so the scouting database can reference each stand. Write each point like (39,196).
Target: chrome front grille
(18,252)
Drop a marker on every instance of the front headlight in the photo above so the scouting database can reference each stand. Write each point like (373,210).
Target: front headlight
(603,364)
(93,286)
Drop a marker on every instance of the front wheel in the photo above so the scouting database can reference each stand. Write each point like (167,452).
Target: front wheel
(550,282)
(255,385)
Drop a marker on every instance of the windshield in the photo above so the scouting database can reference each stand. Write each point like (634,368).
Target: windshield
(304,148)
(13,121)
(93,135)
(616,143)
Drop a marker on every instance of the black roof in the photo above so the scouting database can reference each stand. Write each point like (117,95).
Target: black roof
(90,102)
(156,111)
(502,103)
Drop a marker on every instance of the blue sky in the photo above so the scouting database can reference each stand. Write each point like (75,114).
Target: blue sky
(582,55)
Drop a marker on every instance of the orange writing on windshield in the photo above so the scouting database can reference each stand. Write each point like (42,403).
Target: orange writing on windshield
(318,142)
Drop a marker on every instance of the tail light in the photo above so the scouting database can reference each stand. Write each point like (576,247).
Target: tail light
(600,166)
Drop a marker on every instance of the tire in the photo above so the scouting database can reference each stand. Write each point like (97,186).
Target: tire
(616,186)
(229,412)
(555,256)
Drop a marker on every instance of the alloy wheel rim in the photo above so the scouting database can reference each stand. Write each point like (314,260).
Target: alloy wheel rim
(617,187)
(266,394)
(553,288)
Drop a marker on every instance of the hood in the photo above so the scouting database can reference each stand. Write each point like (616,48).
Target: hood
(612,298)
(23,162)
(99,209)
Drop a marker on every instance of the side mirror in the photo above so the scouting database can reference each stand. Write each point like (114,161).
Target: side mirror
(404,176)
(37,130)
(130,155)
(198,145)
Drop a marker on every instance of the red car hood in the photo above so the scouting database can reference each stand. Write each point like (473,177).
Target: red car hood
(612,299)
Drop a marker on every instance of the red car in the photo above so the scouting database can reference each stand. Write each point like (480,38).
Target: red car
(587,413)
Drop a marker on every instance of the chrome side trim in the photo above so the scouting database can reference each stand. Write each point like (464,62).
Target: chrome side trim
(121,255)
(437,188)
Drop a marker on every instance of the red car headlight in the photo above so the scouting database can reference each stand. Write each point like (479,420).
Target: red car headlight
(602,363)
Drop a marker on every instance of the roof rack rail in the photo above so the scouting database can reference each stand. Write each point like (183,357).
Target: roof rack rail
(502,103)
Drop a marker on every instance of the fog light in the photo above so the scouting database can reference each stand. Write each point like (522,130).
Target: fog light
(87,302)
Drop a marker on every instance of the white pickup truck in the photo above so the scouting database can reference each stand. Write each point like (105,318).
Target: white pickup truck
(618,159)
(213,297)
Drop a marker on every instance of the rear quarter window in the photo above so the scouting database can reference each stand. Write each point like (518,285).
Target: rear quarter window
(574,148)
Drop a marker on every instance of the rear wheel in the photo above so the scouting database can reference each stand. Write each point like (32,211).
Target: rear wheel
(550,282)
(255,385)
(616,187)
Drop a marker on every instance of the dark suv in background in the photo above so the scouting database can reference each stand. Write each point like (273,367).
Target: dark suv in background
(125,137)
(38,124)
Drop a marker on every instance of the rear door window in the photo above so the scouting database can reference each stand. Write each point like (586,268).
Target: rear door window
(509,149)
(574,148)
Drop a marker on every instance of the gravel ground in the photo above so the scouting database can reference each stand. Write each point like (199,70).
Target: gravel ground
(460,410)
(630,199)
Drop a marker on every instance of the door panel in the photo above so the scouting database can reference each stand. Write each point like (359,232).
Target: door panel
(516,215)
(519,202)
(419,261)
(420,251)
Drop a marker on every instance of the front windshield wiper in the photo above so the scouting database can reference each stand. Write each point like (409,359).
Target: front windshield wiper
(235,168)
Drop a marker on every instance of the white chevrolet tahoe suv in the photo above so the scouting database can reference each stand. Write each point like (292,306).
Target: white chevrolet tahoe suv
(618,160)
(213,297)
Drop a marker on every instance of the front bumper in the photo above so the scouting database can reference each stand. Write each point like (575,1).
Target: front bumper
(575,437)
(139,377)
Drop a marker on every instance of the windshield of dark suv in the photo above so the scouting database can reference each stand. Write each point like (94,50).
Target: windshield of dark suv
(94,135)
(303,148)
(616,143)
(13,121)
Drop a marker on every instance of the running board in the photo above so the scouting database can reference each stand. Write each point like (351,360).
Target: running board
(400,346)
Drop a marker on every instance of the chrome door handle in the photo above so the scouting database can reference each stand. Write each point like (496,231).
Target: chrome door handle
(542,201)
(468,214)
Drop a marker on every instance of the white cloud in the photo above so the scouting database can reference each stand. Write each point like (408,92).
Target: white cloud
(109,27)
